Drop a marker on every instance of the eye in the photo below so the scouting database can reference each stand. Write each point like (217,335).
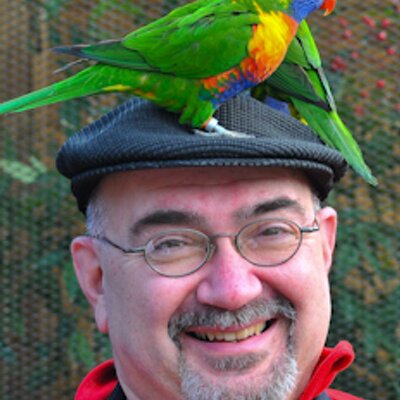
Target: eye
(167,244)
(275,230)
(171,246)
(269,235)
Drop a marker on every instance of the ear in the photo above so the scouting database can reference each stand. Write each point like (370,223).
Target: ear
(327,218)
(89,272)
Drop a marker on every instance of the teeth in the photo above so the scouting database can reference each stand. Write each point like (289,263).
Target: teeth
(211,336)
(232,336)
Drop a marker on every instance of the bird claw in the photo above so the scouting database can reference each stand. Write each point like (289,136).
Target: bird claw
(214,129)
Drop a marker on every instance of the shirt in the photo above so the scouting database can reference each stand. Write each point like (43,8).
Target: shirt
(102,383)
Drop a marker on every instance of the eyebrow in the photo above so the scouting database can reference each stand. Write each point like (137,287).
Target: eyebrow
(264,207)
(176,217)
(165,217)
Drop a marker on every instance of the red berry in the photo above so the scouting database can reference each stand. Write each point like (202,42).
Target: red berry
(364,94)
(382,36)
(355,55)
(338,64)
(343,21)
(359,110)
(348,33)
(386,22)
(380,84)
(391,51)
(369,21)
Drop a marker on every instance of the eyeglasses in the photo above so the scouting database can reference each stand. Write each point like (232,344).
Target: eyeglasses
(180,252)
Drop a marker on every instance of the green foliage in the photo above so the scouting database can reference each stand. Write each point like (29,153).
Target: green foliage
(47,329)
(104,6)
(80,349)
(53,8)
(23,172)
(365,276)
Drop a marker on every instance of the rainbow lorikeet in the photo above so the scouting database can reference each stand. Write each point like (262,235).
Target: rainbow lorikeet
(189,61)
(300,81)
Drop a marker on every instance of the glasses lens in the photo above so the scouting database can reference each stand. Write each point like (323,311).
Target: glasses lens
(177,253)
(269,242)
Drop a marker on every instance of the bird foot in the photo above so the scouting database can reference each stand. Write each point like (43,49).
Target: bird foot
(213,128)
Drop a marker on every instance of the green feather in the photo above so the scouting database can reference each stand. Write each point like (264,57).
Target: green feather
(81,84)
(333,132)
(290,80)
(100,78)
(301,81)
(170,54)
(310,49)
(182,52)
(111,53)
(188,51)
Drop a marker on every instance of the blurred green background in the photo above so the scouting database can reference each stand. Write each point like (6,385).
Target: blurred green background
(47,338)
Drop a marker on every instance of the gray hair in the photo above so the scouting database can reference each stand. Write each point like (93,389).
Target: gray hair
(317,203)
(96,216)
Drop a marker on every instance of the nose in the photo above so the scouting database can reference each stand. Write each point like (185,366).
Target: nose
(228,281)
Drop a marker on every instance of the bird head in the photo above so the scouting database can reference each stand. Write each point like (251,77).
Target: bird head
(301,9)
(328,6)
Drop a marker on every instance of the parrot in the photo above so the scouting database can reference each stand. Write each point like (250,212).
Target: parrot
(189,61)
(301,82)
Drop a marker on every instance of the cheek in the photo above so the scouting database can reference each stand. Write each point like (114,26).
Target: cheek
(303,281)
(310,295)
(140,300)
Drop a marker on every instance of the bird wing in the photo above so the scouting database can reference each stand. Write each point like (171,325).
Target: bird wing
(301,75)
(301,80)
(198,40)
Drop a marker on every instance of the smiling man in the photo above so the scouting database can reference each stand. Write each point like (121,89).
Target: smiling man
(207,258)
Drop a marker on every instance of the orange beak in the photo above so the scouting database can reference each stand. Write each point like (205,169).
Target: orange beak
(328,6)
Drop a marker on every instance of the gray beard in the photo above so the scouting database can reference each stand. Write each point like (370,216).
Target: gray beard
(278,381)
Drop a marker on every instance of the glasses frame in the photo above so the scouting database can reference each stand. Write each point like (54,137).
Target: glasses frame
(211,246)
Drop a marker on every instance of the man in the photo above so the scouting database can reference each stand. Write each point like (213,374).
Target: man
(207,258)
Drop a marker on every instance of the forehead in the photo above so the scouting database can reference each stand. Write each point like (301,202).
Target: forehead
(200,189)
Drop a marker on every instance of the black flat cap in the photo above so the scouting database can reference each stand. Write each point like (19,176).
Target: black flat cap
(140,135)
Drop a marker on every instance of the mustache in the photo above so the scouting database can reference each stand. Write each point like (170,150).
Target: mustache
(260,309)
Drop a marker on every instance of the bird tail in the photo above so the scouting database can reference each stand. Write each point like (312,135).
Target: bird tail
(82,84)
(331,129)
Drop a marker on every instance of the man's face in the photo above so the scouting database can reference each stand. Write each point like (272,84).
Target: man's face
(227,331)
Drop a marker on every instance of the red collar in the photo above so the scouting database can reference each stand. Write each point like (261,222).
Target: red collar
(100,382)
(332,362)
